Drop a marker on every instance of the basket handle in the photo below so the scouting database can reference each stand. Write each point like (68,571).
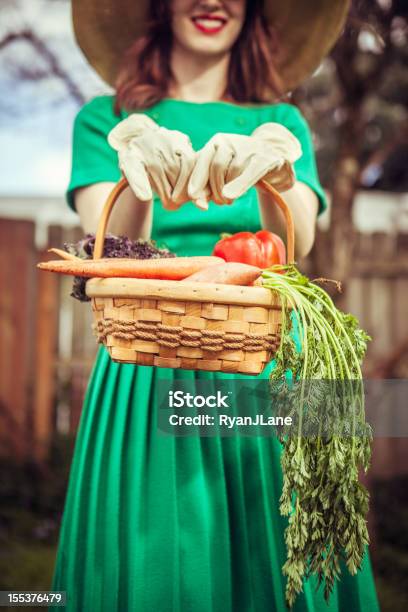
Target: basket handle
(123,184)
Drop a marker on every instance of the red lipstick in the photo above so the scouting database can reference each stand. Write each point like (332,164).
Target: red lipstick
(209,23)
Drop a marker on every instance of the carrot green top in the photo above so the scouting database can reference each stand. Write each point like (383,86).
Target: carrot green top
(188,231)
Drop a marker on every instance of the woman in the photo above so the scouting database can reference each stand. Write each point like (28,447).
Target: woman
(166,523)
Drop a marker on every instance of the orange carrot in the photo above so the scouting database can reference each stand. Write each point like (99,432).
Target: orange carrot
(171,268)
(228,273)
(64,254)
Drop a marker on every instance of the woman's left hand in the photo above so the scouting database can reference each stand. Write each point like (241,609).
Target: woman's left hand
(229,164)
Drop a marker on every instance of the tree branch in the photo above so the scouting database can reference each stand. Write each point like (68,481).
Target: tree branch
(55,68)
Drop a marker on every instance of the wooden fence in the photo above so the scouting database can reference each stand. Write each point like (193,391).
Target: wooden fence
(47,348)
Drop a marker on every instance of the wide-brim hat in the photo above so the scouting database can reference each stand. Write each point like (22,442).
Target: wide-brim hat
(306,31)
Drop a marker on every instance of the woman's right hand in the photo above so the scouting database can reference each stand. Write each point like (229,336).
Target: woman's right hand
(153,157)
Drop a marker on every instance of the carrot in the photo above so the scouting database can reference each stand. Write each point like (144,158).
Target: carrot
(64,254)
(172,268)
(228,273)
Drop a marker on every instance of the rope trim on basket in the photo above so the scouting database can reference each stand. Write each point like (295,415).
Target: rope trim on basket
(173,336)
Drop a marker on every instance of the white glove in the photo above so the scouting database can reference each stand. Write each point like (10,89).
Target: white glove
(153,157)
(229,164)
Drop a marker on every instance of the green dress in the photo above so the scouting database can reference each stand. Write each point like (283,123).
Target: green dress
(166,523)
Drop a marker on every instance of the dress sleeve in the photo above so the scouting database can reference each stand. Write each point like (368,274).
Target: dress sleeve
(305,167)
(93,160)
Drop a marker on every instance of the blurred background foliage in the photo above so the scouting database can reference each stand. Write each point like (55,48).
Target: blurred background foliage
(357,104)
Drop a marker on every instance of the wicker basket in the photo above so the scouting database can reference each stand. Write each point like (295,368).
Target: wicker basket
(194,326)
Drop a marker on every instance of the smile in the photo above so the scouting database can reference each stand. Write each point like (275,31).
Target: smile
(209,24)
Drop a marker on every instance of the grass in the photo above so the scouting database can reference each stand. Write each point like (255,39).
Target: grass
(390,555)
(32,499)
(27,567)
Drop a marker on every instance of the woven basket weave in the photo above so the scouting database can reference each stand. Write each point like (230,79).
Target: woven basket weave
(199,326)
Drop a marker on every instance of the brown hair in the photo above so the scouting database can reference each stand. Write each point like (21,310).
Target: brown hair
(145,74)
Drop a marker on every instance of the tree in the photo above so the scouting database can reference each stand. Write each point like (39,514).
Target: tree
(357,103)
(39,63)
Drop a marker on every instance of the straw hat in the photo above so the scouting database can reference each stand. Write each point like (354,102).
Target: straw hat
(307,30)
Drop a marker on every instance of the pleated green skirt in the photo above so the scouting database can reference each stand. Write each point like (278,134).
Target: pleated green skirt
(175,524)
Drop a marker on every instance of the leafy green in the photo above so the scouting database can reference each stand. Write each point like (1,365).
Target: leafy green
(113,246)
(326,504)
